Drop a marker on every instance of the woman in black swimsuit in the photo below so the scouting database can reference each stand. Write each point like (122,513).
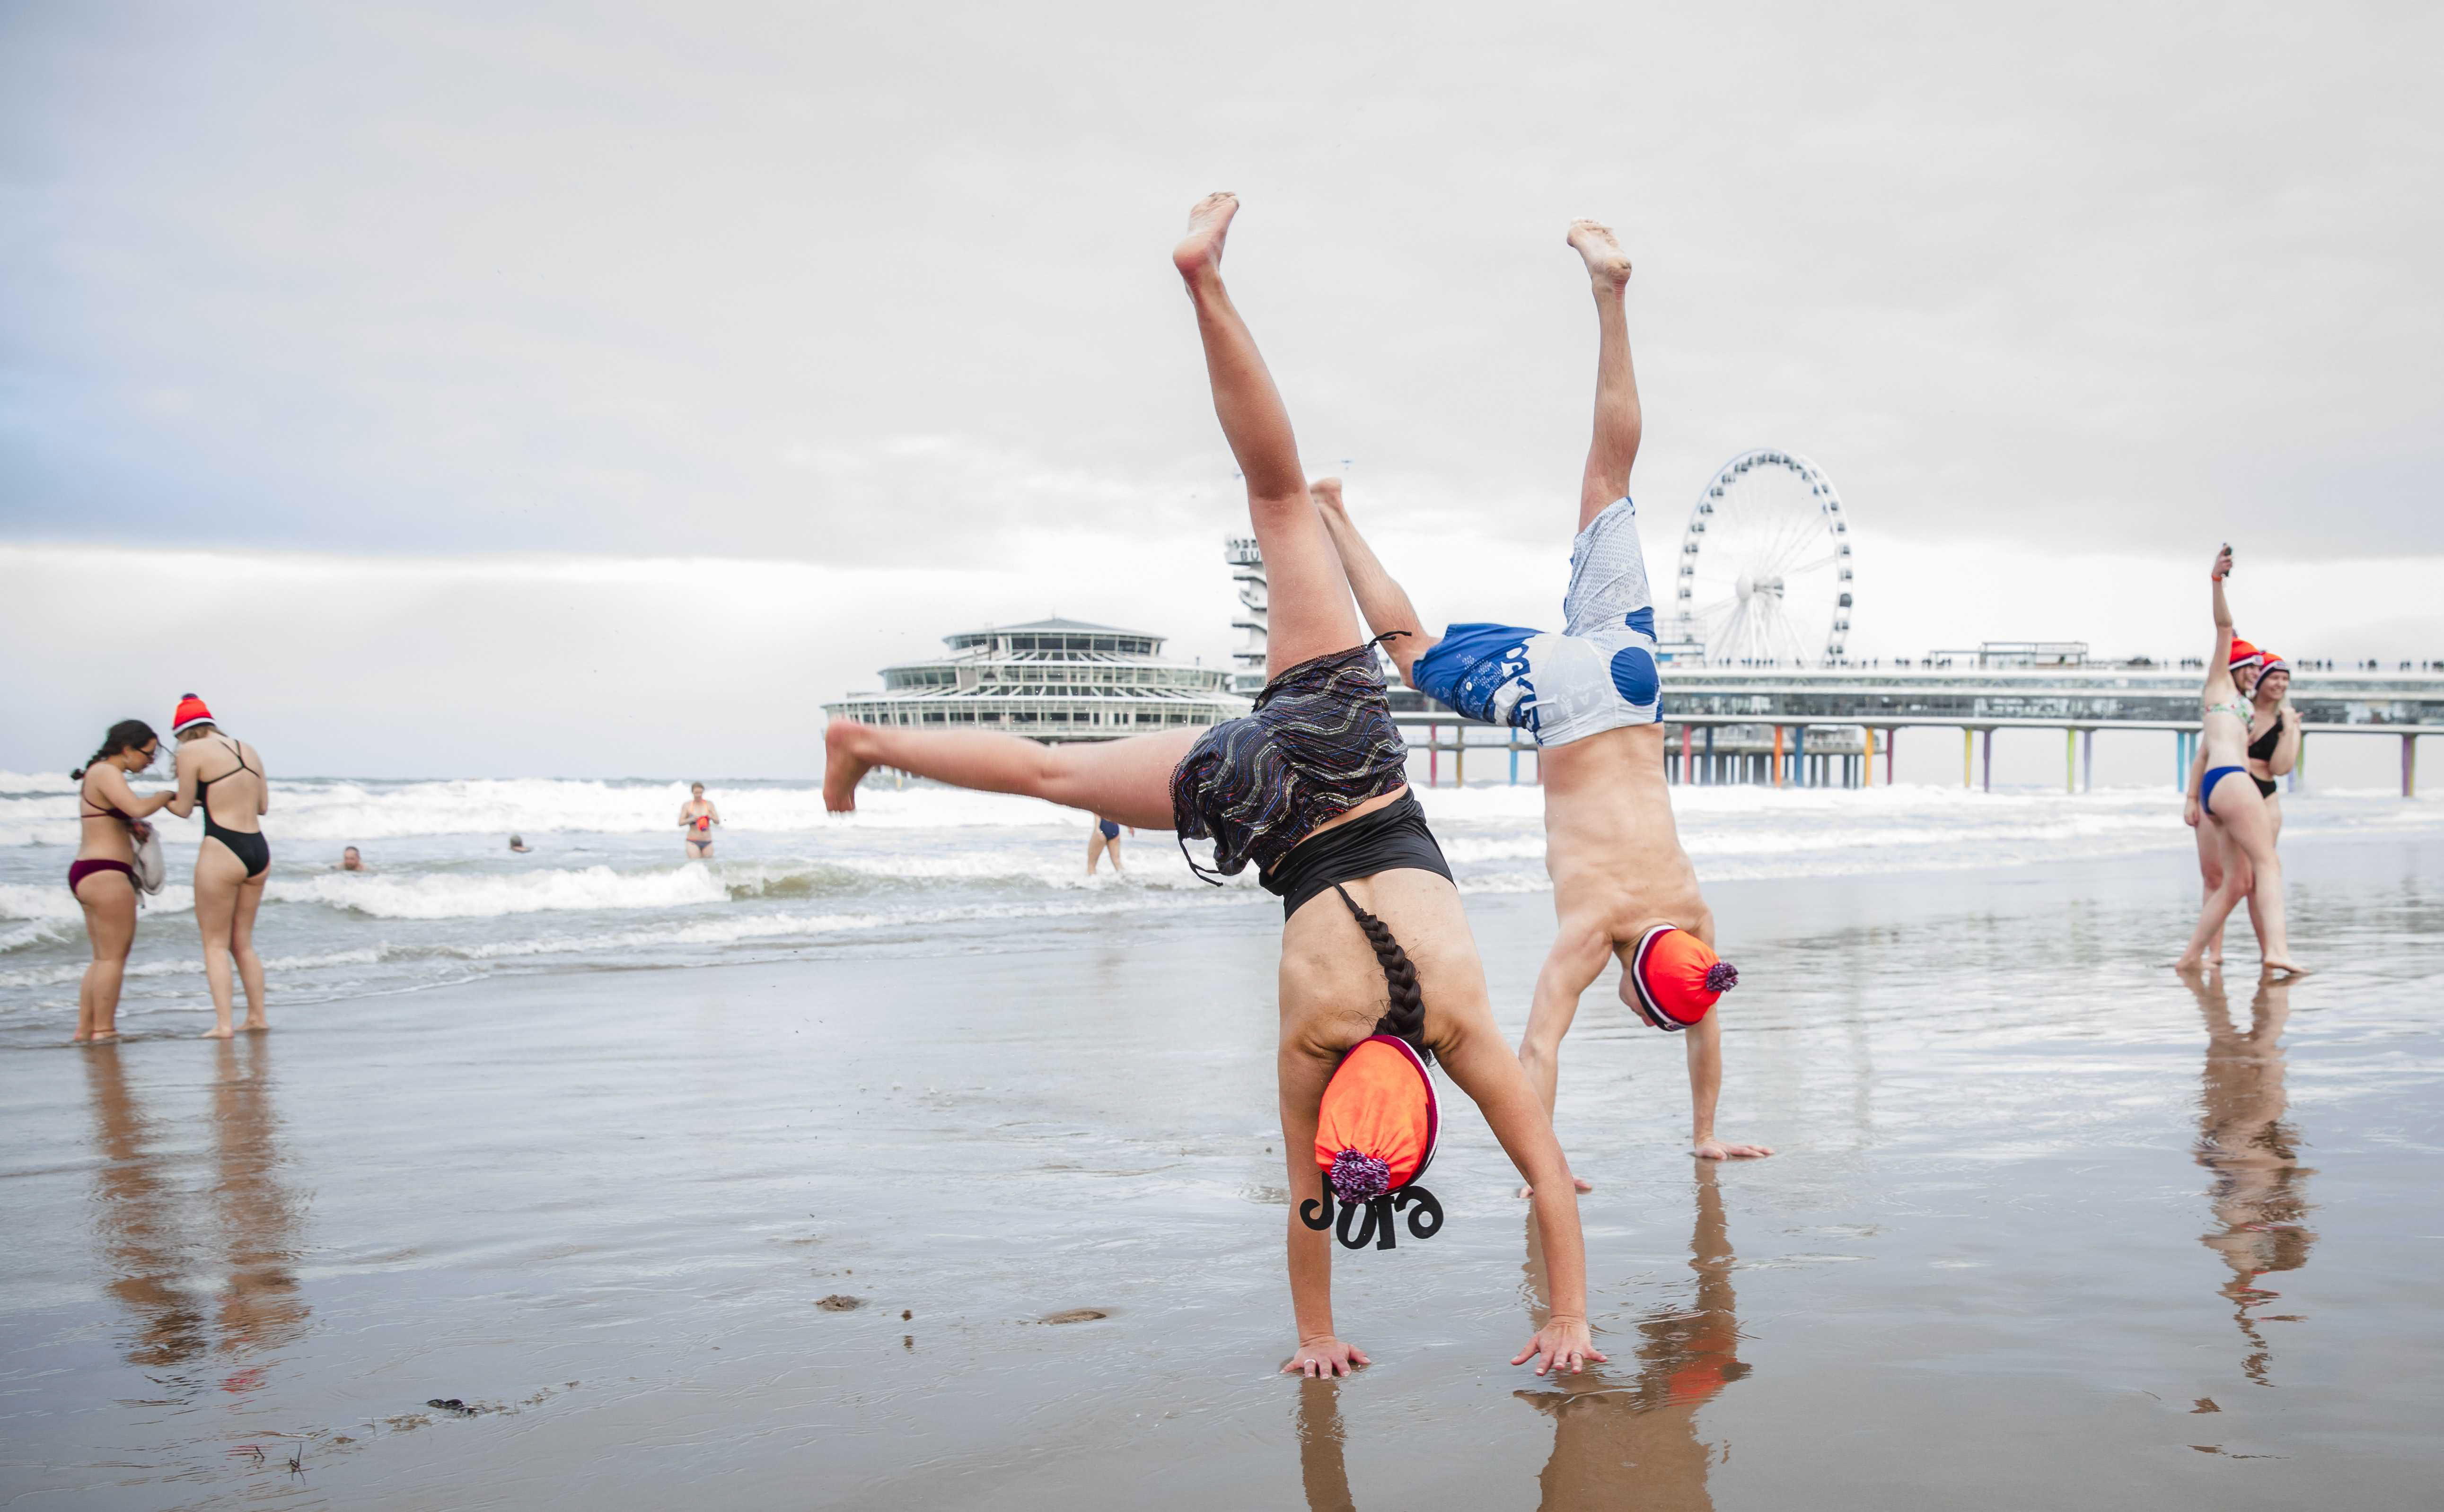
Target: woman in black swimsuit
(102,878)
(235,858)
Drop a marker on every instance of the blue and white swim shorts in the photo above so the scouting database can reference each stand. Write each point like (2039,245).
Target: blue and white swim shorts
(1596,673)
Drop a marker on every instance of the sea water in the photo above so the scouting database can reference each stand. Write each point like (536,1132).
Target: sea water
(605,885)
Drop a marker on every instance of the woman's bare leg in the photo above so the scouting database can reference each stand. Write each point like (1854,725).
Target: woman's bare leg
(2210,862)
(109,902)
(1124,779)
(1619,420)
(1380,599)
(2250,832)
(218,875)
(1311,615)
(250,965)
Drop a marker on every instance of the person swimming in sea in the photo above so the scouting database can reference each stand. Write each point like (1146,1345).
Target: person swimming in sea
(1591,695)
(696,818)
(518,844)
(351,861)
(110,824)
(1379,970)
(2227,799)
(1102,836)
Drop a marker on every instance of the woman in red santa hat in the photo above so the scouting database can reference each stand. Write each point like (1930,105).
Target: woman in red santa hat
(223,775)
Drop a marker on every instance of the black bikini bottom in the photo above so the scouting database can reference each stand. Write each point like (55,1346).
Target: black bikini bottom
(252,850)
(2265,788)
(1392,838)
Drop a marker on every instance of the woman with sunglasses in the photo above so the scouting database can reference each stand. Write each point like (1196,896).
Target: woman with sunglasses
(110,822)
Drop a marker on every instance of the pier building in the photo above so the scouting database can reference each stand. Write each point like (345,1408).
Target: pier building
(1051,680)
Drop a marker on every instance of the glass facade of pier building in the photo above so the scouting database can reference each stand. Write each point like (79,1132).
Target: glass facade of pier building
(1050,680)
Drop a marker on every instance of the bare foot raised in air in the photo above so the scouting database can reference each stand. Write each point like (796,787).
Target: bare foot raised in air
(1326,494)
(845,762)
(1606,263)
(1200,251)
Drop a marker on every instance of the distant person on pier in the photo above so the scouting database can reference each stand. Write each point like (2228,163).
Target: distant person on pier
(2234,804)
(1591,695)
(1104,836)
(696,818)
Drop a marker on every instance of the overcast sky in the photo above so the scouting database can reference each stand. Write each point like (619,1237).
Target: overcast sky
(540,359)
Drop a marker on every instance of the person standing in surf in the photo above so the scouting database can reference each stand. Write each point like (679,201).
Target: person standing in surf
(233,863)
(110,824)
(696,818)
(1311,786)
(1104,837)
(2227,799)
(1591,695)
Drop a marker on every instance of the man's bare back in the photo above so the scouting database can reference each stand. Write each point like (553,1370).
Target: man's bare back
(1592,695)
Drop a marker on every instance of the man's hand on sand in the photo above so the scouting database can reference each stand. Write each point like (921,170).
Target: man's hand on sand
(1718,1150)
(1324,1357)
(1562,1347)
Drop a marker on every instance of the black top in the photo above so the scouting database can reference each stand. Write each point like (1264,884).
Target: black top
(2262,748)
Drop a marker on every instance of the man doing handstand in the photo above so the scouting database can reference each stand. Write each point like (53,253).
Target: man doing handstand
(1621,884)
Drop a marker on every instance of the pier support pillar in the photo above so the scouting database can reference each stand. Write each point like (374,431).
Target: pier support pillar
(1459,755)
(1990,761)
(1799,769)
(1515,761)
(2088,761)
(2409,765)
(1713,773)
(2071,760)
(1684,754)
(1892,738)
(1777,761)
(1968,756)
(1434,754)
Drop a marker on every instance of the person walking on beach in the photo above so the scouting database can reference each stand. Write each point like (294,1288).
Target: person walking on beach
(224,777)
(110,824)
(2235,807)
(696,818)
(1312,788)
(1103,836)
(1623,886)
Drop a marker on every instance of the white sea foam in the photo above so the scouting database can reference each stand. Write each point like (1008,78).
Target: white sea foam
(459,896)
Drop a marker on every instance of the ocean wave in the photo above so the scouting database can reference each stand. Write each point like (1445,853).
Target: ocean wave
(52,903)
(446,896)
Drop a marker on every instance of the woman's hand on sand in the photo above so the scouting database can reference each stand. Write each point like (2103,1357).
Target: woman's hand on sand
(1328,1356)
(1713,1148)
(1562,1346)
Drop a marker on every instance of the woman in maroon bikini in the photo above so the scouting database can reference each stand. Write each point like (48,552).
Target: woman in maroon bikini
(102,876)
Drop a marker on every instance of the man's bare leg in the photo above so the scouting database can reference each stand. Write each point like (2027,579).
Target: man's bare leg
(1311,615)
(1126,780)
(1618,419)
(1381,600)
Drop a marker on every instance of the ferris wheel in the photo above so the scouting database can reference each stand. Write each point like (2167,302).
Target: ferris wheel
(1765,566)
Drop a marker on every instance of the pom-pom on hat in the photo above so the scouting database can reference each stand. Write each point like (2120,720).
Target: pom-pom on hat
(1677,977)
(190,712)
(1375,1135)
(2244,654)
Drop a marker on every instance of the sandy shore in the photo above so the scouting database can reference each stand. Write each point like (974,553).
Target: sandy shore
(2050,1229)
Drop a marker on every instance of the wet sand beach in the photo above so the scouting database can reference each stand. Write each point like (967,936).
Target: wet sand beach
(2050,1226)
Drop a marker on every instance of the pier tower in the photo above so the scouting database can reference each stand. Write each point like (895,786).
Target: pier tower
(1248,571)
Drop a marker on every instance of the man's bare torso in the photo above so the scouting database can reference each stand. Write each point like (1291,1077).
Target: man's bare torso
(1610,845)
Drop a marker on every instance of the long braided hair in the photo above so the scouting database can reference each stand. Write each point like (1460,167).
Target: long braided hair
(1407,1018)
(128,734)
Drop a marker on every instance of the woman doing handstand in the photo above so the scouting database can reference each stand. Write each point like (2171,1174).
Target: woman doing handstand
(2226,800)
(1312,788)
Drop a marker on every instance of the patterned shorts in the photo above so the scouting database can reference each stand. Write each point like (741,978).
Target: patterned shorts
(1320,742)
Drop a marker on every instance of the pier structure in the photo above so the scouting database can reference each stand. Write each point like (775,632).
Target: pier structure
(1823,727)
(1053,680)
(1253,620)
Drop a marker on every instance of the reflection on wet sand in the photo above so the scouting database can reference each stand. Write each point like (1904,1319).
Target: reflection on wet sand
(1621,1444)
(2259,1187)
(160,1254)
(1320,1467)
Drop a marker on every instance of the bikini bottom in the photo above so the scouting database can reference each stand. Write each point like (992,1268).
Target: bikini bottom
(2207,784)
(78,871)
(252,850)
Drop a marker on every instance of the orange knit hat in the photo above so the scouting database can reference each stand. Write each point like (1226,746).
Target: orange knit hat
(191,711)
(1678,978)
(1375,1135)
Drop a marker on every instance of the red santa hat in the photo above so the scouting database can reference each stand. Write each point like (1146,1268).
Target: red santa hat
(191,713)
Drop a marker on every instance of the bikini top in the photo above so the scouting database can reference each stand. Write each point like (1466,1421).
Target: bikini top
(2235,710)
(2262,748)
(100,811)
